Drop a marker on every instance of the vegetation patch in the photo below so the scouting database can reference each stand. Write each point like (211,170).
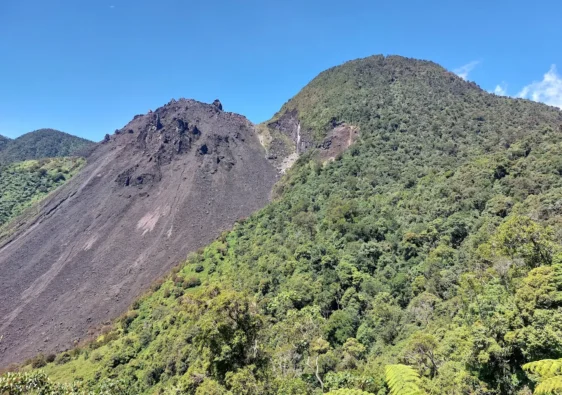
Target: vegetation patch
(25,183)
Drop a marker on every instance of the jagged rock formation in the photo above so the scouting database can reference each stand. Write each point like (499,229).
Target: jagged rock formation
(285,139)
(338,140)
(217,103)
(166,184)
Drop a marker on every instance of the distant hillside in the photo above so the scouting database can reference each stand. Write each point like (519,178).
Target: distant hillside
(42,143)
(24,183)
(3,142)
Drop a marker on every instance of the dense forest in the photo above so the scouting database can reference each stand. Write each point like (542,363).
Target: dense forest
(3,142)
(24,183)
(425,259)
(42,143)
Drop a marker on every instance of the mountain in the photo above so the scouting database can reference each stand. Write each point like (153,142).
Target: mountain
(42,143)
(166,184)
(25,183)
(3,142)
(419,222)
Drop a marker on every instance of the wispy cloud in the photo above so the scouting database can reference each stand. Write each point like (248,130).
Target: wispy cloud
(501,89)
(548,91)
(463,71)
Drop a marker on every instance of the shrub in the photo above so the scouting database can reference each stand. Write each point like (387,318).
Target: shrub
(38,361)
(128,318)
(192,282)
(63,358)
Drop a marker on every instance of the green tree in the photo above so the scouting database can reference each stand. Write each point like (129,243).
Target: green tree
(549,374)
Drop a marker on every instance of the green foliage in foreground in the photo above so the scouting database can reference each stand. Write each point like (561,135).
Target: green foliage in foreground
(37,383)
(24,183)
(402,380)
(549,374)
(348,392)
(434,242)
(32,383)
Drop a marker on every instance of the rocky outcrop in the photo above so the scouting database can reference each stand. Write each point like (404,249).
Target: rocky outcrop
(217,103)
(285,140)
(167,183)
(337,141)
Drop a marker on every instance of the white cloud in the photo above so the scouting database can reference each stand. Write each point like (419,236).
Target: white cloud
(548,91)
(501,90)
(463,71)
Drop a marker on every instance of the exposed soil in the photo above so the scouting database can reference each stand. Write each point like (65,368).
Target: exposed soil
(337,141)
(166,184)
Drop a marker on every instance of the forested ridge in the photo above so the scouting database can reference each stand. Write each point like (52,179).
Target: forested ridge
(430,251)
(41,143)
(3,142)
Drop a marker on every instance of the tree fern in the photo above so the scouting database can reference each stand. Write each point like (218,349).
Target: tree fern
(550,373)
(402,380)
(346,391)
(545,368)
(550,386)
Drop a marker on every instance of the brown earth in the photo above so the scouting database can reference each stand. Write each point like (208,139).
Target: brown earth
(166,184)
(339,139)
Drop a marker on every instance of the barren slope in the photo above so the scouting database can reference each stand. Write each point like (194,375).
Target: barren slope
(166,184)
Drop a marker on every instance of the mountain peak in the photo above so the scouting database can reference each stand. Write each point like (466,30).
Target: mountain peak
(164,185)
(182,126)
(392,95)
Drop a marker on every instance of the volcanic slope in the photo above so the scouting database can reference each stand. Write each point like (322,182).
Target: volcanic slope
(166,184)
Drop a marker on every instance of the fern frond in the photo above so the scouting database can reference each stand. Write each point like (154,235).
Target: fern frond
(402,380)
(546,368)
(550,386)
(345,391)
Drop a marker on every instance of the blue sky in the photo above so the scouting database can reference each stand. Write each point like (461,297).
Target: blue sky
(88,66)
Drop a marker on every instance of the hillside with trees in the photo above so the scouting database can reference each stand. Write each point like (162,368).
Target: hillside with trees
(42,143)
(426,258)
(24,183)
(3,142)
